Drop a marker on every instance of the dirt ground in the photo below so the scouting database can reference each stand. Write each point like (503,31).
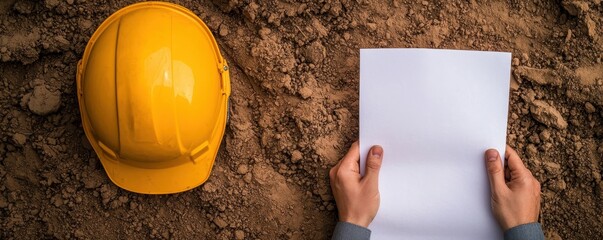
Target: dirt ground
(294,112)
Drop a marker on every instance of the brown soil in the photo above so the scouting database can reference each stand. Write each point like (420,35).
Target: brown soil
(294,113)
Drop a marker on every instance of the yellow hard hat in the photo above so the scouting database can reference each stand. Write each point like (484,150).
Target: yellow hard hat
(153,92)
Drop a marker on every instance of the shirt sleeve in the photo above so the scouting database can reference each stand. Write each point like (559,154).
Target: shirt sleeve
(530,231)
(348,231)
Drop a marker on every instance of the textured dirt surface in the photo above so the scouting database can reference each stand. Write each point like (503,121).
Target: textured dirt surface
(294,113)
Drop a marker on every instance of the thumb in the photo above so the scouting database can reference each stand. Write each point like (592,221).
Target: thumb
(373,164)
(496,173)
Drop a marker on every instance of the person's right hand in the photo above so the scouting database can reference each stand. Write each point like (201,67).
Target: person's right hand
(515,192)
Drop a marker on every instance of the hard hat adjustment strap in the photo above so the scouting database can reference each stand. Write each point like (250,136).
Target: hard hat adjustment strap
(225,78)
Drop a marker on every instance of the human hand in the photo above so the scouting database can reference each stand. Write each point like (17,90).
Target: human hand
(515,192)
(357,197)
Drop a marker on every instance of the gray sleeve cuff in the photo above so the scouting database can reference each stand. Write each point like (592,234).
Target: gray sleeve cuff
(529,231)
(348,231)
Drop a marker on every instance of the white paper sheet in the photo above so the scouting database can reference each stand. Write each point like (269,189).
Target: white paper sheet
(435,112)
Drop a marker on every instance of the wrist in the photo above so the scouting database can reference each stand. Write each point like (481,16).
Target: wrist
(517,223)
(356,221)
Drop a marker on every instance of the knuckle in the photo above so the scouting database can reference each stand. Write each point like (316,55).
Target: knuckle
(494,168)
(373,163)
(537,184)
(526,180)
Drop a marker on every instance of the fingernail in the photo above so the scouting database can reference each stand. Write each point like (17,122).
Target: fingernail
(377,151)
(491,155)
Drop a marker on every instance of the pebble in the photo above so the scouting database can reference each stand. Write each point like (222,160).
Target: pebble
(264,32)
(19,139)
(239,234)
(305,92)
(315,52)
(251,11)
(243,169)
(589,107)
(248,178)
(547,115)
(220,222)
(43,102)
(553,168)
(223,31)
(51,3)
(545,135)
(296,156)
(558,185)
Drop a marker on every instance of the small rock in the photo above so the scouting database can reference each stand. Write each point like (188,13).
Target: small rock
(305,92)
(19,139)
(552,168)
(251,11)
(589,107)
(61,42)
(539,76)
(85,24)
(534,138)
(51,3)
(209,187)
(558,185)
(220,222)
(591,28)
(575,8)
(264,32)
(243,169)
(123,199)
(568,36)
(57,201)
(239,234)
(531,150)
(296,156)
(547,115)
(223,31)
(315,52)
(248,178)
(545,135)
(43,102)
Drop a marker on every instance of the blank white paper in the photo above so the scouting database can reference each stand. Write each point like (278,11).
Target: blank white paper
(435,112)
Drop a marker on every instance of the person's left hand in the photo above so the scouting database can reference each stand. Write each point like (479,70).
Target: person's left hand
(357,197)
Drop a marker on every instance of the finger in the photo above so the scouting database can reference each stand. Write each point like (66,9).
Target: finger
(495,171)
(513,161)
(373,165)
(351,158)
